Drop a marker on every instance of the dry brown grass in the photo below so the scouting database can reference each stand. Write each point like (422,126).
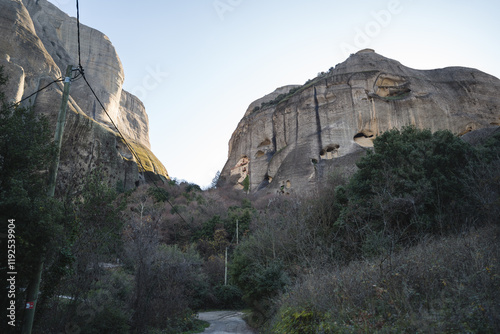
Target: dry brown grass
(441,285)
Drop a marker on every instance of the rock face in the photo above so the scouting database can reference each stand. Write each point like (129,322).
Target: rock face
(293,141)
(37,42)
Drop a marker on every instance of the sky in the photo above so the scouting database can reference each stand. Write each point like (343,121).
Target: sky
(198,64)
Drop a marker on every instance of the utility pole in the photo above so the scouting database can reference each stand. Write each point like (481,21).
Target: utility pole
(61,122)
(237,234)
(34,286)
(225,269)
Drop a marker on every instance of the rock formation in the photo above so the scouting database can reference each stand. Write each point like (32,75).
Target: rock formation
(293,138)
(37,42)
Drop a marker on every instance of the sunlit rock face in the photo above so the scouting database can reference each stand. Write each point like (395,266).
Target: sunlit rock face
(294,142)
(37,43)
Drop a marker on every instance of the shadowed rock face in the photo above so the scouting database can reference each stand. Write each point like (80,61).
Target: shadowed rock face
(327,124)
(37,42)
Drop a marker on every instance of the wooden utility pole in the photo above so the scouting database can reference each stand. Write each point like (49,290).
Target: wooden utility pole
(34,286)
(225,269)
(237,234)
(61,122)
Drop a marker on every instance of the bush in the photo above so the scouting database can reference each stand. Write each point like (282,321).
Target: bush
(298,321)
(229,297)
(417,171)
(412,183)
(445,285)
(257,280)
(185,323)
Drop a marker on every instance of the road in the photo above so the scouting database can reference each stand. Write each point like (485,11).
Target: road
(225,322)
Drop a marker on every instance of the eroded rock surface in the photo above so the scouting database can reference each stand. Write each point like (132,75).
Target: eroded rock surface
(294,142)
(37,42)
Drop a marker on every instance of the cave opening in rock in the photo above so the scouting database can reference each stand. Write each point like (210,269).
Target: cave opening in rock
(364,139)
(330,152)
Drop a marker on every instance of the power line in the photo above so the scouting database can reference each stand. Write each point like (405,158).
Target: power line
(38,91)
(136,156)
(82,73)
(78,32)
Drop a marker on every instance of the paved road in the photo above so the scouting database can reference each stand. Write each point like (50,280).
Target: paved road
(225,322)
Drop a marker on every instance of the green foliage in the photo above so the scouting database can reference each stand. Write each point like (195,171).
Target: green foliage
(411,162)
(243,215)
(448,285)
(414,186)
(105,308)
(98,216)
(246,184)
(26,151)
(120,187)
(110,302)
(257,280)
(229,297)
(301,321)
(187,323)
(412,183)
(490,150)
(208,228)
(159,194)
(192,187)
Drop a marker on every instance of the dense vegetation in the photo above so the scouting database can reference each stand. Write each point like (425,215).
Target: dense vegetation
(408,243)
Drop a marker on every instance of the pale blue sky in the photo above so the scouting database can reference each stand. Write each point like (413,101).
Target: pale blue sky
(198,64)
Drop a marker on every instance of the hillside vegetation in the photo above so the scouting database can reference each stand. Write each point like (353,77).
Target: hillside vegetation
(408,244)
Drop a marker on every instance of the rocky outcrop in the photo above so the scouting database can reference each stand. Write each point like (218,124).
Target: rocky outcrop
(37,42)
(293,142)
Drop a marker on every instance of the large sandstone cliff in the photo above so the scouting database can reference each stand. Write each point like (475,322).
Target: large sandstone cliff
(291,142)
(37,42)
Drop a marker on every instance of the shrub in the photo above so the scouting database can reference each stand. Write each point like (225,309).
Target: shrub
(411,184)
(229,297)
(246,184)
(298,321)
(257,280)
(448,284)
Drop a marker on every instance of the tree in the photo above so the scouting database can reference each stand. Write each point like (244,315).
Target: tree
(168,280)
(215,180)
(97,229)
(25,154)
(411,183)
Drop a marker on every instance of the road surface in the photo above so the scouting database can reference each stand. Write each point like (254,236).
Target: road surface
(225,322)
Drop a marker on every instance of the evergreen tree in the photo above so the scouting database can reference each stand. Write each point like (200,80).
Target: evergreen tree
(26,150)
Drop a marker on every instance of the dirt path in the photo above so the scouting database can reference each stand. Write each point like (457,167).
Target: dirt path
(225,322)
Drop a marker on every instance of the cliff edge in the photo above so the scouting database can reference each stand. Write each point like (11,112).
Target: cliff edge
(37,42)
